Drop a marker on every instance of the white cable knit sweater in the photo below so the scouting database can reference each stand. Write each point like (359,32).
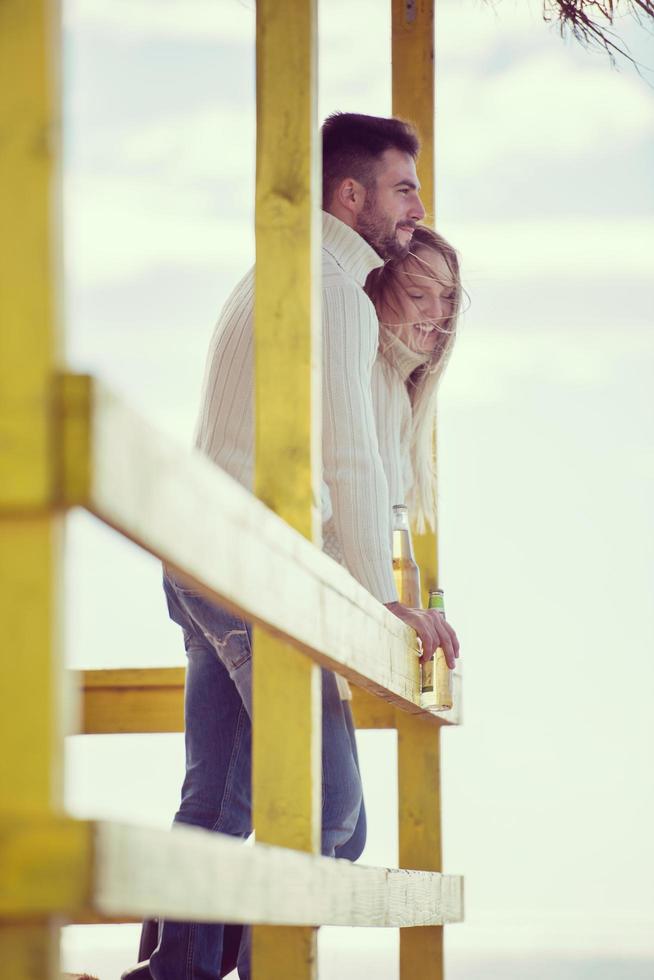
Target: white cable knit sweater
(355,499)
(362,395)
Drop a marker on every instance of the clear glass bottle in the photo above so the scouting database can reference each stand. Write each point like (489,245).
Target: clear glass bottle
(436,683)
(405,570)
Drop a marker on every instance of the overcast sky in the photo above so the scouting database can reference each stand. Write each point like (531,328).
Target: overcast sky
(546,472)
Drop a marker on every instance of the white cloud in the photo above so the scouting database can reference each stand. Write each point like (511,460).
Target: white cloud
(493,365)
(217,143)
(540,107)
(117,228)
(227,20)
(565,248)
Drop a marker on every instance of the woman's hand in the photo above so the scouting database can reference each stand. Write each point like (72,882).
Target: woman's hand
(433,631)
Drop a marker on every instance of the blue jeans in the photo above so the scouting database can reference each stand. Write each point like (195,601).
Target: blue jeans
(216,793)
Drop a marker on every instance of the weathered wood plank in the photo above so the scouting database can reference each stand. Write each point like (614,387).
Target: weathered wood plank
(180,506)
(412,56)
(151,699)
(287,336)
(32,720)
(286,765)
(192,874)
(286,746)
(104,871)
(419,823)
(421,950)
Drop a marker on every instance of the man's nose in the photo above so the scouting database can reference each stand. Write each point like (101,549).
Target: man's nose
(418,212)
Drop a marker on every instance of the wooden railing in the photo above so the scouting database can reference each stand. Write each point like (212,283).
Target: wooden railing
(66,441)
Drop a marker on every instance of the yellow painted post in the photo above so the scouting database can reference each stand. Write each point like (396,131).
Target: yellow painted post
(31,719)
(414,100)
(421,950)
(286,695)
(413,82)
(419,802)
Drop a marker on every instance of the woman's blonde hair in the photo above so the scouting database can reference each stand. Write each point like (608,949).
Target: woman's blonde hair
(386,286)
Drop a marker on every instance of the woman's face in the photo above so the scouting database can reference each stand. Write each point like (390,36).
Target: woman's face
(422,302)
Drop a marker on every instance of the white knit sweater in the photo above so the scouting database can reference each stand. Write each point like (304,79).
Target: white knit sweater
(394,417)
(356,504)
(366,410)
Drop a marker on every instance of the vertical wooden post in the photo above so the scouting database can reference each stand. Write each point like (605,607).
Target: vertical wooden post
(413,82)
(419,805)
(287,686)
(421,950)
(31,720)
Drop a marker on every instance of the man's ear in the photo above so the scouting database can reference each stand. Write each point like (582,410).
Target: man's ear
(350,196)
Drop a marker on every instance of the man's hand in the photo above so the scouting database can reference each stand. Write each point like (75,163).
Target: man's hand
(433,631)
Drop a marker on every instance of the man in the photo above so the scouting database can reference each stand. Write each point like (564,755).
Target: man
(372,204)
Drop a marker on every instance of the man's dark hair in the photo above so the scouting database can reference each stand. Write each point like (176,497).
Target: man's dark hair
(352,145)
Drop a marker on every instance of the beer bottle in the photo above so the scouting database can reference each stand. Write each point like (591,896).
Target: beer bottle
(405,570)
(436,686)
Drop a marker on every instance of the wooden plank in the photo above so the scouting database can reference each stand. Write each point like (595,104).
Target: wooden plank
(373,712)
(287,343)
(47,865)
(286,784)
(147,871)
(29,951)
(413,99)
(419,801)
(286,738)
(132,678)
(132,700)
(180,506)
(120,711)
(104,871)
(412,56)
(151,699)
(421,950)
(32,718)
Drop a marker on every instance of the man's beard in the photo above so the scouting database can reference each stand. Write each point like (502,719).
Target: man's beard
(380,231)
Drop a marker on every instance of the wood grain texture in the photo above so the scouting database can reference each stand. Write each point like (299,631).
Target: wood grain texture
(189,873)
(47,866)
(287,341)
(180,506)
(286,765)
(151,699)
(32,720)
(286,745)
(420,844)
(421,950)
(414,100)
(413,83)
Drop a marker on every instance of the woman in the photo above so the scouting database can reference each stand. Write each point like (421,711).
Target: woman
(417,301)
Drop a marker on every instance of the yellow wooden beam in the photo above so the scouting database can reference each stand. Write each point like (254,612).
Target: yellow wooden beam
(421,950)
(413,83)
(128,700)
(413,99)
(98,871)
(46,866)
(32,717)
(287,295)
(151,699)
(286,742)
(419,800)
(370,711)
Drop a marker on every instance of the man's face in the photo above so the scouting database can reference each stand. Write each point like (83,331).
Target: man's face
(392,207)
